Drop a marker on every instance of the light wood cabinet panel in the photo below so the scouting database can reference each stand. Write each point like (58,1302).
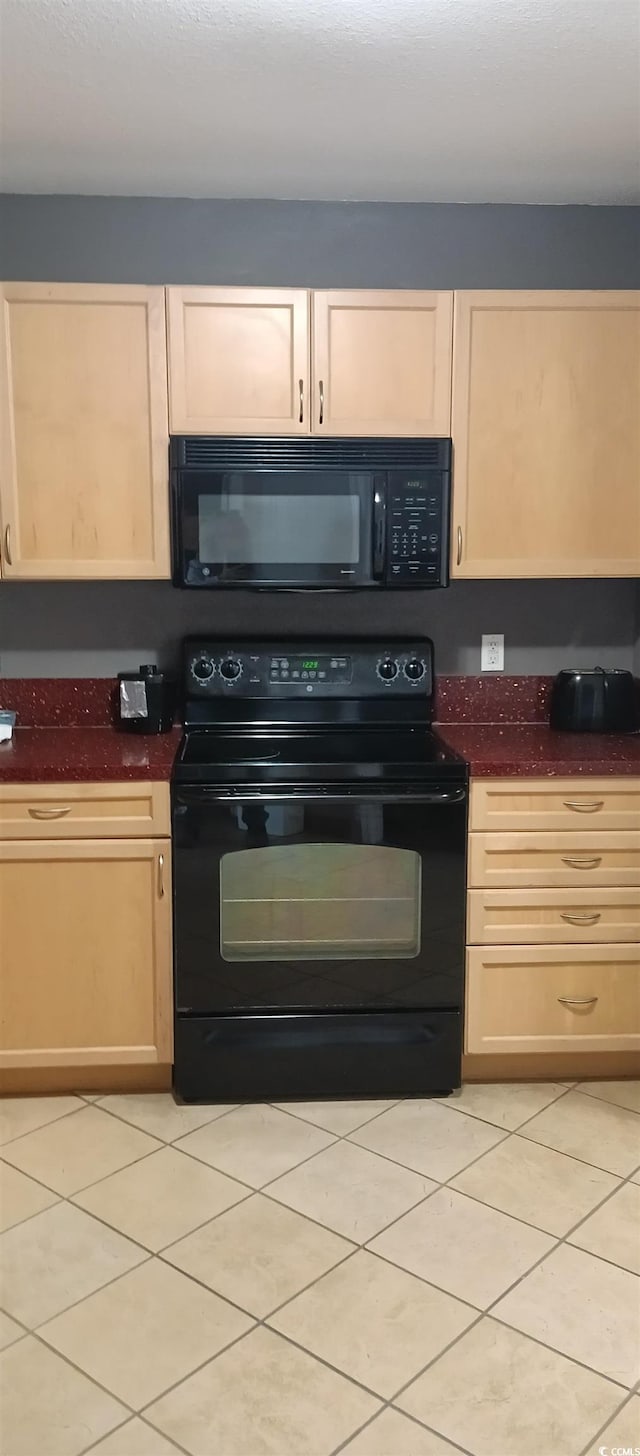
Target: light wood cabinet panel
(73,811)
(526,917)
(85,947)
(553,999)
(568,803)
(84,454)
(554,860)
(382,363)
(546,432)
(238,361)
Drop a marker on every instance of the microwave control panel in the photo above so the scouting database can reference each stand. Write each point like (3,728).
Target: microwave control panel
(415,528)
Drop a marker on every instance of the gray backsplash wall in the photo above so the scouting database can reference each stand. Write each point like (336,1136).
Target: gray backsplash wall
(94,628)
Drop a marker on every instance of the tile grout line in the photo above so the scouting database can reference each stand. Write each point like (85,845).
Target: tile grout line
(585,1449)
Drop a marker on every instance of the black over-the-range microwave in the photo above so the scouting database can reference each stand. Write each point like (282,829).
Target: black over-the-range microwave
(323,514)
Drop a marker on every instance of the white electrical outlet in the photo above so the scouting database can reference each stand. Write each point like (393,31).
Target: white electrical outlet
(492,652)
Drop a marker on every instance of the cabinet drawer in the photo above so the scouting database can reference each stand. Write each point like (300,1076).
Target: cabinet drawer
(73,811)
(554,860)
(553,998)
(538,917)
(570,803)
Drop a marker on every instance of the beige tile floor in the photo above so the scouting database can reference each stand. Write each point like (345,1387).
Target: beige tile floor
(416,1278)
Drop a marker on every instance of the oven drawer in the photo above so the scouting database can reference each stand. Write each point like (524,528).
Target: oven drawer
(570,803)
(520,917)
(78,811)
(553,998)
(554,860)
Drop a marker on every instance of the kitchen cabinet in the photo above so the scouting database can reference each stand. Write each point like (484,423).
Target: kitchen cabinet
(85,946)
(546,433)
(382,362)
(238,361)
(283,361)
(551,998)
(84,452)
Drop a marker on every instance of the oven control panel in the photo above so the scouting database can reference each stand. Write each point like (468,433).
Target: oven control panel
(283,670)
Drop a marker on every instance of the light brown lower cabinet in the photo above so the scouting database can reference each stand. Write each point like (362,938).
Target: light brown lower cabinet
(85,953)
(553,998)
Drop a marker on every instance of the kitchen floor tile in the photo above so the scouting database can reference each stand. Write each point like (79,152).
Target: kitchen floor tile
(161,1198)
(587,1128)
(258,1255)
(506,1104)
(78,1150)
(497,1393)
(622,1094)
(57,1258)
(351,1191)
(135,1438)
(536,1184)
(583,1307)
(264,1397)
(20,1197)
(255,1143)
(613,1231)
(462,1246)
(623,1434)
(143,1333)
(20,1115)
(375,1322)
(391,1434)
(9,1331)
(338,1117)
(49,1409)
(428,1138)
(160,1115)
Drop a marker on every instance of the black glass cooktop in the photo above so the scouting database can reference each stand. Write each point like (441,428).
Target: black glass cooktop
(268,759)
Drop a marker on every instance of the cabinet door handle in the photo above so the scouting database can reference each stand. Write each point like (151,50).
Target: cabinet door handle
(7,546)
(321,417)
(583,806)
(160,876)
(581,919)
(459,555)
(577,1000)
(583,864)
(57,813)
(301,399)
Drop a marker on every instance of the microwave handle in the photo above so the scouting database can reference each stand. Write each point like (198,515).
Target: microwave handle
(379,526)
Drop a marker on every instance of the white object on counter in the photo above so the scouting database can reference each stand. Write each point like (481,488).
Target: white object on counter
(7,724)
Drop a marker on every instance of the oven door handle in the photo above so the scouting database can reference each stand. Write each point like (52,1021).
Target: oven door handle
(201,796)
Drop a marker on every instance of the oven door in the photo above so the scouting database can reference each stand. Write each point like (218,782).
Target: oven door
(278,528)
(323,902)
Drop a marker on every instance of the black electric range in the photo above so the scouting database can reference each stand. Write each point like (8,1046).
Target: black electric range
(319,831)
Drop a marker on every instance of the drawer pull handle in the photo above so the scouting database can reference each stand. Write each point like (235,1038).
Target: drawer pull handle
(577,1000)
(459,553)
(7,547)
(581,919)
(160,876)
(584,806)
(583,864)
(57,813)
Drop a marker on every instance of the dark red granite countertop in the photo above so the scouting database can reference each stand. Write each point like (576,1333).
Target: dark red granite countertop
(86,755)
(531,750)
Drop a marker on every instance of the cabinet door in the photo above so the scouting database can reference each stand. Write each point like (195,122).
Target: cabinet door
(546,432)
(238,361)
(553,998)
(83,478)
(85,950)
(382,363)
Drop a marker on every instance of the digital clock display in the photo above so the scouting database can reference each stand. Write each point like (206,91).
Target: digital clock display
(310,664)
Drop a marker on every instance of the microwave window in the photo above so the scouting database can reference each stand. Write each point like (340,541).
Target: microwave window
(238,527)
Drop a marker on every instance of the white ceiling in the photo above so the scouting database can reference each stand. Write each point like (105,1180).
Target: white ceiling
(437,100)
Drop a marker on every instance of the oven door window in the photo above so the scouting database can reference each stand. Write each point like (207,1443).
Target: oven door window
(281,528)
(320,902)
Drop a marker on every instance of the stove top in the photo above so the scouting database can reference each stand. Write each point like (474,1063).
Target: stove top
(271,758)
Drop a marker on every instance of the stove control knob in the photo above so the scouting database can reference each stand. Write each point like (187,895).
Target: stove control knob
(202,669)
(414,669)
(387,669)
(230,668)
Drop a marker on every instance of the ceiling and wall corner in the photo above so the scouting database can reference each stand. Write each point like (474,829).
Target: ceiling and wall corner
(451,100)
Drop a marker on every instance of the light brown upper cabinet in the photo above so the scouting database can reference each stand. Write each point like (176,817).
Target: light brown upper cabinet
(546,433)
(238,361)
(382,363)
(84,452)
